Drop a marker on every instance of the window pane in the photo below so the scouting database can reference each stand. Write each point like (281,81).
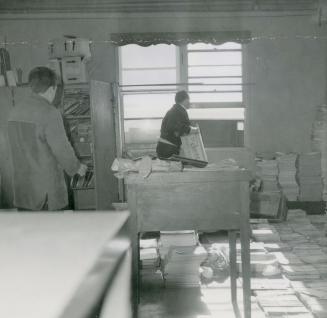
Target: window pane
(147,105)
(222,80)
(215,71)
(142,131)
(240,125)
(215,58)
(215,97)
(148,77)
(216,113)
(215,88)
(225,46)
(161,55)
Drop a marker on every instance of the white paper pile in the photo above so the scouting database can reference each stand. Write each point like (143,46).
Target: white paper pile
(265,233)
(262,263)
(150,261)
(181,268)
(287,175)
(176,238)
(309,176)
(267,171)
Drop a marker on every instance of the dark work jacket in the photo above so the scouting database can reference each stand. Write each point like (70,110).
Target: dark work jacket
(175,124)
(40,154)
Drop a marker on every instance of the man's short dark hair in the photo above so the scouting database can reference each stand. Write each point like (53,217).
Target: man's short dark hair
(41,78)
(181,96)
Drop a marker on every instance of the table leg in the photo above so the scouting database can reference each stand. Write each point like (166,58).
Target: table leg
(136,274)
(246,270)
(245,249)
(233,265)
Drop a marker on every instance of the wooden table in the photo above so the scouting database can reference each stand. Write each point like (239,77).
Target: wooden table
(197,199)
(65,265)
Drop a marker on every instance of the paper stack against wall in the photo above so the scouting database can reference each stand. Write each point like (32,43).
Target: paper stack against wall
(287,175)
(319,142)
(309,176)
(150,261)
(182,256)
(267,171)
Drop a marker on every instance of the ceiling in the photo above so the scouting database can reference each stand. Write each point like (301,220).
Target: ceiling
(132,6)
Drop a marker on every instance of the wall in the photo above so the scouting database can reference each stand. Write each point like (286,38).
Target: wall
(290,81)
(287,68)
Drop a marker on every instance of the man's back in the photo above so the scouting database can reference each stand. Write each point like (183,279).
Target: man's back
(40,152)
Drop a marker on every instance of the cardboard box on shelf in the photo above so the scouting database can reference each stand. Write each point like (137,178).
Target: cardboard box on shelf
(73,70)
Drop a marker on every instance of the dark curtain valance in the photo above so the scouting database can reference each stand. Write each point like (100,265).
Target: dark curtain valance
(180,38)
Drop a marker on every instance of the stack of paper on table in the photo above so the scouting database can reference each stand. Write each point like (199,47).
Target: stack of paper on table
(267,171)
(309,176)
(181,267)
(287,175)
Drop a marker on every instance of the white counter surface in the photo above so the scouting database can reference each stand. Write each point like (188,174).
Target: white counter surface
(45,256)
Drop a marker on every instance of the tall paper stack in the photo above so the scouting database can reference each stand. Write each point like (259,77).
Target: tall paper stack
(181,257)
(182,266)
(309,176)
(267,171)
(150,261)
(287,175)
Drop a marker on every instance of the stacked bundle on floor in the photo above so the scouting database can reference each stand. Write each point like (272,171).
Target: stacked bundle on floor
(309,176)
(150,261)
(267,172)
(287,175)
(182,266)
(182,256)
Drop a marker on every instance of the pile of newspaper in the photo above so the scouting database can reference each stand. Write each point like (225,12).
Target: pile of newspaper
(150,262)
(287,175)
(267,172)
(182,256)
(309,176)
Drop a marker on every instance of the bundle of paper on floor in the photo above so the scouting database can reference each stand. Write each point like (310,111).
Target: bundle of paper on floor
(262,263)
(150,261)
(309,176)
(267,171)
(182,264)
(149,255)
(287,175)
(176,238)
(265,233)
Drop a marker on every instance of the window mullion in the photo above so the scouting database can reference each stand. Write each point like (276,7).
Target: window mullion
(182,66)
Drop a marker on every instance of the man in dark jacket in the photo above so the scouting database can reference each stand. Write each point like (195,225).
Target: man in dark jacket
(175,124)
(40,148)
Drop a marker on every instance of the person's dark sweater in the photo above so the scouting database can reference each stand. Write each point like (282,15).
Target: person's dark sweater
(175,124)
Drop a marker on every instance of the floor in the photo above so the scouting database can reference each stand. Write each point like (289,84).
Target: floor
(296,287)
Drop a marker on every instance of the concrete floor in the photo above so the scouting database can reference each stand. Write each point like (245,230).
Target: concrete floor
(207,301)
(214,300)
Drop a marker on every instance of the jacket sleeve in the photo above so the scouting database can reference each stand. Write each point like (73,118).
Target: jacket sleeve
(61,148)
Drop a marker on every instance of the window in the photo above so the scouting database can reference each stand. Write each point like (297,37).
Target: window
(211,73)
